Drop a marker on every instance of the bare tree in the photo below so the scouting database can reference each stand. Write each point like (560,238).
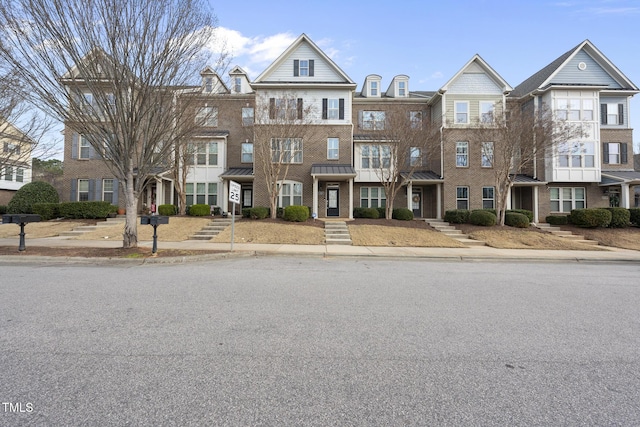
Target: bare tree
(512,143)
(108,69)
(401,146)
(281,125)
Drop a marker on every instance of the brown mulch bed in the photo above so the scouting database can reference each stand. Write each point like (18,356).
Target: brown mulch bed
(132,253)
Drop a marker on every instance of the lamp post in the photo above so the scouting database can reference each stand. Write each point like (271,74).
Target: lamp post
(154,221)
(20,219)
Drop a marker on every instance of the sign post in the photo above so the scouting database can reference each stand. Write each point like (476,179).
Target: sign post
(234,197)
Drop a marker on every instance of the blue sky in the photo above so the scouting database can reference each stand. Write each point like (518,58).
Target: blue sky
(430,41)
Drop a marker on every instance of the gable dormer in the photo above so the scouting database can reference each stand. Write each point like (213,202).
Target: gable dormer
(371,87)
(211,82)
(239,81)
(399,87)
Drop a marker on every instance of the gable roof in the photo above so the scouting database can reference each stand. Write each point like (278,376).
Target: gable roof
(477,59)
(545,77)
(303,38)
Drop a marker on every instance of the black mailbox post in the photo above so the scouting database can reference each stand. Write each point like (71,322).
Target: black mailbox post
(155,221)
(20,219)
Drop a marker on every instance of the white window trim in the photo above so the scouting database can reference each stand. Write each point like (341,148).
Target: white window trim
(573,199)
(458,199)
(492,112)
(381,199)
(335,149)
(104,190)
(292,195)
(487,155)
(455,112)
(79,192)
(466,154)
(492,198)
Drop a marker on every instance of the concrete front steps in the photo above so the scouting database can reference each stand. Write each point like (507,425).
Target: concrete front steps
(78,231)
(212,229)
(565,234)
(452,232)
(336,233)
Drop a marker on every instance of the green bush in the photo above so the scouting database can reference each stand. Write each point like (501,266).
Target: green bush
(382,212)
(557,219)
(30,194)
(457,216)
(259,212)
(516,219)
(199,210)
(482,217)
(296,213)
(371,213)
(402,214)
(167,210)
(634,216)
(3,209)
(525,212)
(47,211)
(86,210)
(591,218)
(620,217)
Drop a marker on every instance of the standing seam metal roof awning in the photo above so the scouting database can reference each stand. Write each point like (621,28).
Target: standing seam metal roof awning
(238,174)
(524,180)
(622,177)
(332,171)
(423,177)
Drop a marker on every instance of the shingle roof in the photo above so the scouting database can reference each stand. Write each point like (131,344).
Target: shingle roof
(617,177)
(534,82)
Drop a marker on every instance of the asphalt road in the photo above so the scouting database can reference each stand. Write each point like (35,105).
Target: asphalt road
(319,342)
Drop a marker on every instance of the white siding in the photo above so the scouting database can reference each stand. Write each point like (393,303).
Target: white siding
(474,83)
(313,99)
(323,72)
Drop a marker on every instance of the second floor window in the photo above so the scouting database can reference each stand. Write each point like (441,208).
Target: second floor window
(373,120)
(614,153)
(286,150)
(205,153)
(84,148)
(462,154)
(247,116)
(415,117)
(576,155)
(207,116)
(487,154)
(415,156)
(462,112)
(333,148)
(612,114)
(375,156)
(247,152)
(11,148)
(486,111)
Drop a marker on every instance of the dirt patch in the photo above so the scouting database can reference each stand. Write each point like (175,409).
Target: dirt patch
(178,229)
(381,235)
(274,231)
(133,253)
(43,229)
(625,238)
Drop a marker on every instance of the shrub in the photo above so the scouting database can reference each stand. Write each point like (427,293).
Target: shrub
(557,219)
(634,216)
(516,219)
(525,212)
(47,211)
(86,210)
(482,217)
(619,217)
(199,210)
(30,194)
(371,213)
(382,212)
(3,209)
(167,210)
(457,216)
(591,218)
(402,214)
(259,212)
(296,213)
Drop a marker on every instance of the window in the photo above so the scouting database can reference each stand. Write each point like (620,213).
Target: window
(247,152)
(576,155)
(402,88)
(375,156)
(372,197)
(488,201)
(373,120)
(205,193)
(373,88)
(83,190)
(212,147)
(19,175)
(614,153)
(205,153)
(486,111)
(462,112)
(333,148)
(247,116)
(207,116)
(286,150)
(574,109)
(587,109)
(612,114)
(189,193)
(290,194)
(8,173)
(303,67)
(11,148)
(567,199)
(84,148)
(285,108)
(212,193)
(487,154)
(333,109)
(208,84)
(415,118)
(462,154)
(462,198)
(107,190)
(237,84)
(201,194)
(415,156)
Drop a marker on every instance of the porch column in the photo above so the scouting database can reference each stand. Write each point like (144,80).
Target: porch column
(509,199)
(439,201)
(624,195)
(350,198)
(536,190)
(409,194)
(314,206)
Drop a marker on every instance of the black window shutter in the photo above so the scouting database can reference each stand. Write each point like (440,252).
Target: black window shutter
(299,108)
(296,68)
(272,108)
(92,189)
(98,191)
(73,196)
(623,153)
(115,192)
(311,67)
(605,153)
(603,114)
(74,146)
(324,108)
(341,108)
(620,114)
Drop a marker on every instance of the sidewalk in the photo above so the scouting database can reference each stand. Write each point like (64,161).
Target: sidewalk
(479,253)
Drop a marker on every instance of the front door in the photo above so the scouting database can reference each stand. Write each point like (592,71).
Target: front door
(333,206)
(416,203)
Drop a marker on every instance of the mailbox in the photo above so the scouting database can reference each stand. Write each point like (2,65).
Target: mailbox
(21,220)
(154,220)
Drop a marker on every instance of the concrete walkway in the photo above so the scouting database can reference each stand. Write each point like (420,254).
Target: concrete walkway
(479,253)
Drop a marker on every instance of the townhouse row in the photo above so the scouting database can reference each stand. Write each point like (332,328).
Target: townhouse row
(336,166)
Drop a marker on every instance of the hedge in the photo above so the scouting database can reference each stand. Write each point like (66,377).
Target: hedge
(402,214)
(525,212)
(47,211)
(382,212)
(30,194)
(258,212)
(371,213)
(296,213)
(620,217)
(199,210)
(3,209)
(557,219)
(457,216)
(591,218)
(86,210)
(634,216)
(167,210)
(516,219)
(482,217)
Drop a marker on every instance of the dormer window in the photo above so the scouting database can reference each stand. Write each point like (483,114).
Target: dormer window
(303,67)
(237,84)
(402,88)
(373,88)
(208,84)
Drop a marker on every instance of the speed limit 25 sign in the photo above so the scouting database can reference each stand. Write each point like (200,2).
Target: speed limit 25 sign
(234,192)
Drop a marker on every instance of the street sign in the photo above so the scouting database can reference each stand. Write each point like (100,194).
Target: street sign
(234,192)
